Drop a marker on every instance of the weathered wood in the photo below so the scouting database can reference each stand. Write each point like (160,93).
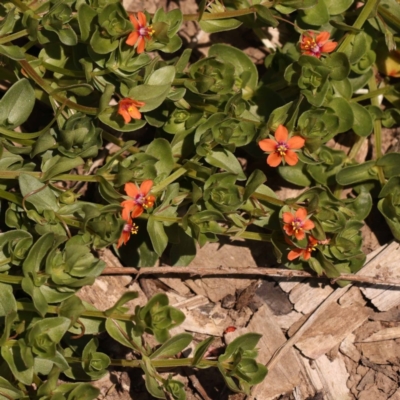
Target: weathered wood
(330,328)
(384,334)
(287,373)
(334,376)
(384,265)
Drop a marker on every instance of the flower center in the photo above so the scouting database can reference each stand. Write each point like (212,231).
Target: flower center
(311,45)
(281,148)
(131,228)
(297,225)
(139,199)
(146,31)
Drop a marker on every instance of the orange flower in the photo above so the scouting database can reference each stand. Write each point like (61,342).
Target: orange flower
(281,148)
(130,228)
(296,224)
(127,108)
(304,253)
(313,44)
(141,32)
(139,199)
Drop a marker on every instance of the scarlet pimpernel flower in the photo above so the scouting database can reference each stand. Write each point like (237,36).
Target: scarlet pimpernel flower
(313,44)
(130,228)
(139,199)
(128,109)
(304,253)
(141,33)
(282,147)
(296,224)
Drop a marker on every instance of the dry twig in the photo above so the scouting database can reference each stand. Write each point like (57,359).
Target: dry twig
(260,272)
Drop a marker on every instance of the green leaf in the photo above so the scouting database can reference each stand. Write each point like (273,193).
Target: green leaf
(343,110)
(13,52)
(244,66)
(225,160)
(201,350)
(37,254)
(58,165)
(37,193)
(127,296)
(110,118)
(266,15)
(172,346)
(298,4)
(363,123)
(317,15)
(71,308)
(9,390)
(219,25)
(339,65)
(278,116)
(161,149)
(86,16)
(390,163)
(336,7)
(17,104)
(123,333)
(13,357)
(357,173)
(158,237)
(296,174)
(84,391)
(256,179)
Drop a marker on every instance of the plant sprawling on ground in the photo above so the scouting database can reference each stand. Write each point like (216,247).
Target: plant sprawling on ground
(77,75)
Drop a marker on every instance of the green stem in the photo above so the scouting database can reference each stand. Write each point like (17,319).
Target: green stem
(372,94)
(24,306)
(178,362)
(61,177)
(377,129)
(11,197)
(49,90)
(13,36)
(226,14)
(111,138)
(13,280)
(362,17)
(356,147)
(262,237)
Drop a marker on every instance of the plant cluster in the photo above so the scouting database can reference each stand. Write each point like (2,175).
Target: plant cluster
(95,75)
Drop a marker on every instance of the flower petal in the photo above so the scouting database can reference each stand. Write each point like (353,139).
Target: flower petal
(291,157)
(295,253)
(267,145)
(142,19)
(134,112)
(137,211)
(134,21)
(328,47)
(295,142)
(131,190)
(322,38)
(306,255)
(146,186)
(301,214)
(140,46)
(274,159)
(127,208)
(123,239)
(287,217)
(132,38)
(300,235)
(288,229)
(281,134)
(308,224)
(125,115)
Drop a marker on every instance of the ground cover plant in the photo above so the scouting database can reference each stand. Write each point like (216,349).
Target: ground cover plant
(78,75)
